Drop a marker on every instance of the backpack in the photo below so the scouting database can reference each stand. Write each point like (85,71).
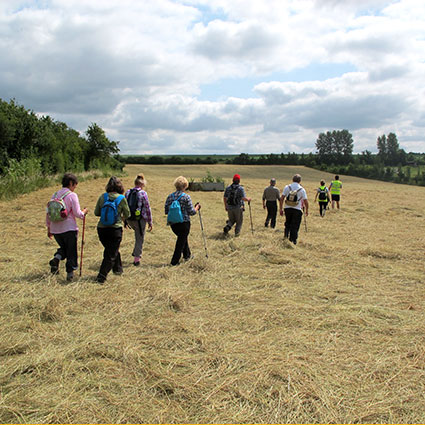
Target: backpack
(292,197)
(175,212)
(109,211)
(56,208)
(133,204)
(323,194)
(232,199)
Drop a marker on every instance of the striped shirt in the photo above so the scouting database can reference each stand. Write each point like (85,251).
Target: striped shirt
(142,204)
(185,203)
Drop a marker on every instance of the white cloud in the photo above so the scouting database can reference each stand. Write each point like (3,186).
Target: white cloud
(136,69)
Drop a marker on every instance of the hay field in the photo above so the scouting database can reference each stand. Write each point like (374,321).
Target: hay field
(332,330)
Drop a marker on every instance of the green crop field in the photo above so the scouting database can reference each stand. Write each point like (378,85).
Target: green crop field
(329,331)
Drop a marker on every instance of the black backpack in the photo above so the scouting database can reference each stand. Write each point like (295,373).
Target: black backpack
(133,204)
(322,194)
(232,199)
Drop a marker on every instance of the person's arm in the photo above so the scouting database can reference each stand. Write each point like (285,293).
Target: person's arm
(147,212)
(225,203)
(125,210)
(306,207)
(317,191)
(75,206)
(264,199)
(98,207)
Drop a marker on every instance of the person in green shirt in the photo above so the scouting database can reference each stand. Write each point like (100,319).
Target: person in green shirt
(335,189)
(110,234)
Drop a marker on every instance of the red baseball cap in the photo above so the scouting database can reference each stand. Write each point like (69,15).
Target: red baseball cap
(237,177)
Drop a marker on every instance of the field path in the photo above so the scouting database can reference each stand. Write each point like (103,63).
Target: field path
(332,330)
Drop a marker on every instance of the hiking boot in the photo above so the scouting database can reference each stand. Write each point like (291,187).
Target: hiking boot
(54,265)
(226,229)
(70,276)
(100,279)
(189,258)
(117,273)
(136,263)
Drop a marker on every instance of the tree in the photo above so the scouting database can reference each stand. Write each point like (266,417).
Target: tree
(100,148)
(335,147)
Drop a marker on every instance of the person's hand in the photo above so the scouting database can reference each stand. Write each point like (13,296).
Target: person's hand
(126,225)
(85,211)
(281,212)
(150,227)
(264,207)
(49,235)
(306,213)
(197,206)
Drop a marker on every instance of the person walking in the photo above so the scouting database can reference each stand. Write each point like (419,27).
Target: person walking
(140,215)
(181,229)
(270,197)
(335,189)
(295,197)
(322,193)
(64,227)
(234,197)
(111,203)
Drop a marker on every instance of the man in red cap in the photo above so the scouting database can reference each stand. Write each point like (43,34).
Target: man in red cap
(234,197)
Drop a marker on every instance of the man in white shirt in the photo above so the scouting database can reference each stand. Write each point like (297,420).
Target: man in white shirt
(295,198)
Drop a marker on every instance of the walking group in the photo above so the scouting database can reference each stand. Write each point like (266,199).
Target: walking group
(117,209)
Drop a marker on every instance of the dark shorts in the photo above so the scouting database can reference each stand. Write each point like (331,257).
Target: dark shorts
(335,198)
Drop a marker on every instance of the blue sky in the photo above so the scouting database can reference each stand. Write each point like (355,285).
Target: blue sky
(199,76)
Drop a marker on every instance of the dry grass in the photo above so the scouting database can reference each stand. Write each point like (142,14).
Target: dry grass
(332,330)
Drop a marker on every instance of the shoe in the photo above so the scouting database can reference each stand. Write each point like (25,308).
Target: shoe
(70,276)
(100,280)
(189,258)
(237,235)
(136,263)
(54,265)
(117,273)
(226,230)
(266,224)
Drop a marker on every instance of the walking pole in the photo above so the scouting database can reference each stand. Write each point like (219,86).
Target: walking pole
(202,231)
(305,220)
(82,244)
(250,216)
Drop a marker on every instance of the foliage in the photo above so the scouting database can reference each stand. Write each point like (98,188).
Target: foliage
(389,151)
(335,147)
(44,147)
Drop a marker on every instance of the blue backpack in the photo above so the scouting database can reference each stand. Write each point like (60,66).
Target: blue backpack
(109,211)
(175,212)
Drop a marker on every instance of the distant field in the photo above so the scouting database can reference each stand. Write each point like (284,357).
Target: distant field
(331,331)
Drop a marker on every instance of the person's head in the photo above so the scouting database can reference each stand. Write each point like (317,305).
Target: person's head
(181,183)
(140,181)
(322,183)
(236,178)
(114,185)
(69,180)
(336,177)
(273,181)
(296,178)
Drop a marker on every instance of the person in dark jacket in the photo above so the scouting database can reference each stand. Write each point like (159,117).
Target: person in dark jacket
(181,229)
(111,235)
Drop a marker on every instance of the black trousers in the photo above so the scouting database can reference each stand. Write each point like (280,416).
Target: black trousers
(68,249)
(271,213)
(292,223)
(111,238)
(322,206)
(182,231)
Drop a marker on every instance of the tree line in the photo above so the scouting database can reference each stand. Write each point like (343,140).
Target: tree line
(33,147)
(57,147)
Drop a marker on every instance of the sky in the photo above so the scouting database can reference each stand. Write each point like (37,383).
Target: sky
(223,76)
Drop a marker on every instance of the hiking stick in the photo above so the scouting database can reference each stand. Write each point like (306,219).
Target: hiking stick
(305,220)
(82,245)
(250,216)
(203,235)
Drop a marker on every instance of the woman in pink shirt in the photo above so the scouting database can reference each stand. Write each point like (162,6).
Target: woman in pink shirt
(66,232)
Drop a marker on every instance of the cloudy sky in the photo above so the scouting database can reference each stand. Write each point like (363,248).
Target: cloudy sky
(220,76)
